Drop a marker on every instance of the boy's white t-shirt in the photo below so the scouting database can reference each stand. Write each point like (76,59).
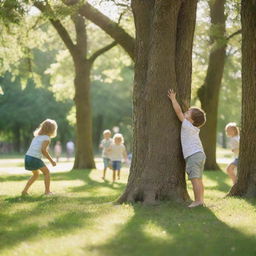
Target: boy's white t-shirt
(35,148)
(234,144)
(117,152)
(190,140)
(105,144)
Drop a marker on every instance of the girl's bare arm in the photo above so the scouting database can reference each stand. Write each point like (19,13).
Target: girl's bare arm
(46,153)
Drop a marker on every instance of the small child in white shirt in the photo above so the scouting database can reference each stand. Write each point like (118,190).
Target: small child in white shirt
(104,145)
(232,131)
(192,148)
(117,153)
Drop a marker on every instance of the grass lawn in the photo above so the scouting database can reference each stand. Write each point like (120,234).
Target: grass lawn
(80,220)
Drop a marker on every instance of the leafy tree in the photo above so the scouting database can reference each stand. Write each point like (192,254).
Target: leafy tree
(22,110)
(246,183)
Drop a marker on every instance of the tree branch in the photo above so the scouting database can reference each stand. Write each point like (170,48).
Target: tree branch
(81,36)
(99,52)
(234,34)
(64,35)
(110,27)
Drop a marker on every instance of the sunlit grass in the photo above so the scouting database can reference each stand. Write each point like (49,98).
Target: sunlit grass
(80,220)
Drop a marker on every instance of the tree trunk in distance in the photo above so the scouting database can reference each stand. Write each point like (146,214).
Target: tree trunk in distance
(17,137)
(84,147)
(164,38)
(246,183)
(208,93)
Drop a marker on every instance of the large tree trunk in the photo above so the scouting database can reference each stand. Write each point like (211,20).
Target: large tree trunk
(246,184)
(209,92)
(164,36)
(84,148)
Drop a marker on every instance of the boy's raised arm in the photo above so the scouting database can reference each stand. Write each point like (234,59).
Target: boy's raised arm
(176,105)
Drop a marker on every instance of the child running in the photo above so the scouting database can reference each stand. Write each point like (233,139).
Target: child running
(232,131)
(117,152)
(39,147)
(192,148)
(104,145)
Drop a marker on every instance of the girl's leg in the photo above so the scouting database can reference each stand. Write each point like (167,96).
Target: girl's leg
(118,171)
(104,173)
(30,182)
(114,175)
(231,173)
(46,173)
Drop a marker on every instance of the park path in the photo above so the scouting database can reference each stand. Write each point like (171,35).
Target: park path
(16,166)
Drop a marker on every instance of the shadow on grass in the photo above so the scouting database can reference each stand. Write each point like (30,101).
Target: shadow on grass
(89,184)
(52,216)
(168,229)
(171,229)
(7,178)
(48,217)
(219,177)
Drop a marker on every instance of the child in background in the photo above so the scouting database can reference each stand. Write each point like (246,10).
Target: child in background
(192,148)
(57,150)
(232,131)
(104,145)
(117,152)
(70,147)
(39,147)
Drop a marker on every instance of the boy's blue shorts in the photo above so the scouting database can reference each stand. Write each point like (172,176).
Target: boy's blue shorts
(106,162)
(116,165)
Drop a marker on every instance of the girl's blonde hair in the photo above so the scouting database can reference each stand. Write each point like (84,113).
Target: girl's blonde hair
(119,136)
(234,127)
(47,127)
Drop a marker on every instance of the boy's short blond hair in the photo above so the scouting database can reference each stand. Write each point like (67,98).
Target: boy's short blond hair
(47,127)
(107,131)
(119,136)
(233,126)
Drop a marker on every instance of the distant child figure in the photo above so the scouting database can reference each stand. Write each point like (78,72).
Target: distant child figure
(117,152)
(104,145)
(70,146)
(232,131)
(57,150)
(129,159)
(192,148)
(39,147)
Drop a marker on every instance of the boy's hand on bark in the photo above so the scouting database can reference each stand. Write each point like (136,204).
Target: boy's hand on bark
(171,95)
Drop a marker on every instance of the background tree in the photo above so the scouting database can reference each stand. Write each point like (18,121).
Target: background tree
(23,109)
(209,92)
(220,91)
(82,66)
(246,184)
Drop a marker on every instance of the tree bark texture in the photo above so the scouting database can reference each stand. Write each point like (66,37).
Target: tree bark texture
(208,93)
(246,184)
(164,37)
